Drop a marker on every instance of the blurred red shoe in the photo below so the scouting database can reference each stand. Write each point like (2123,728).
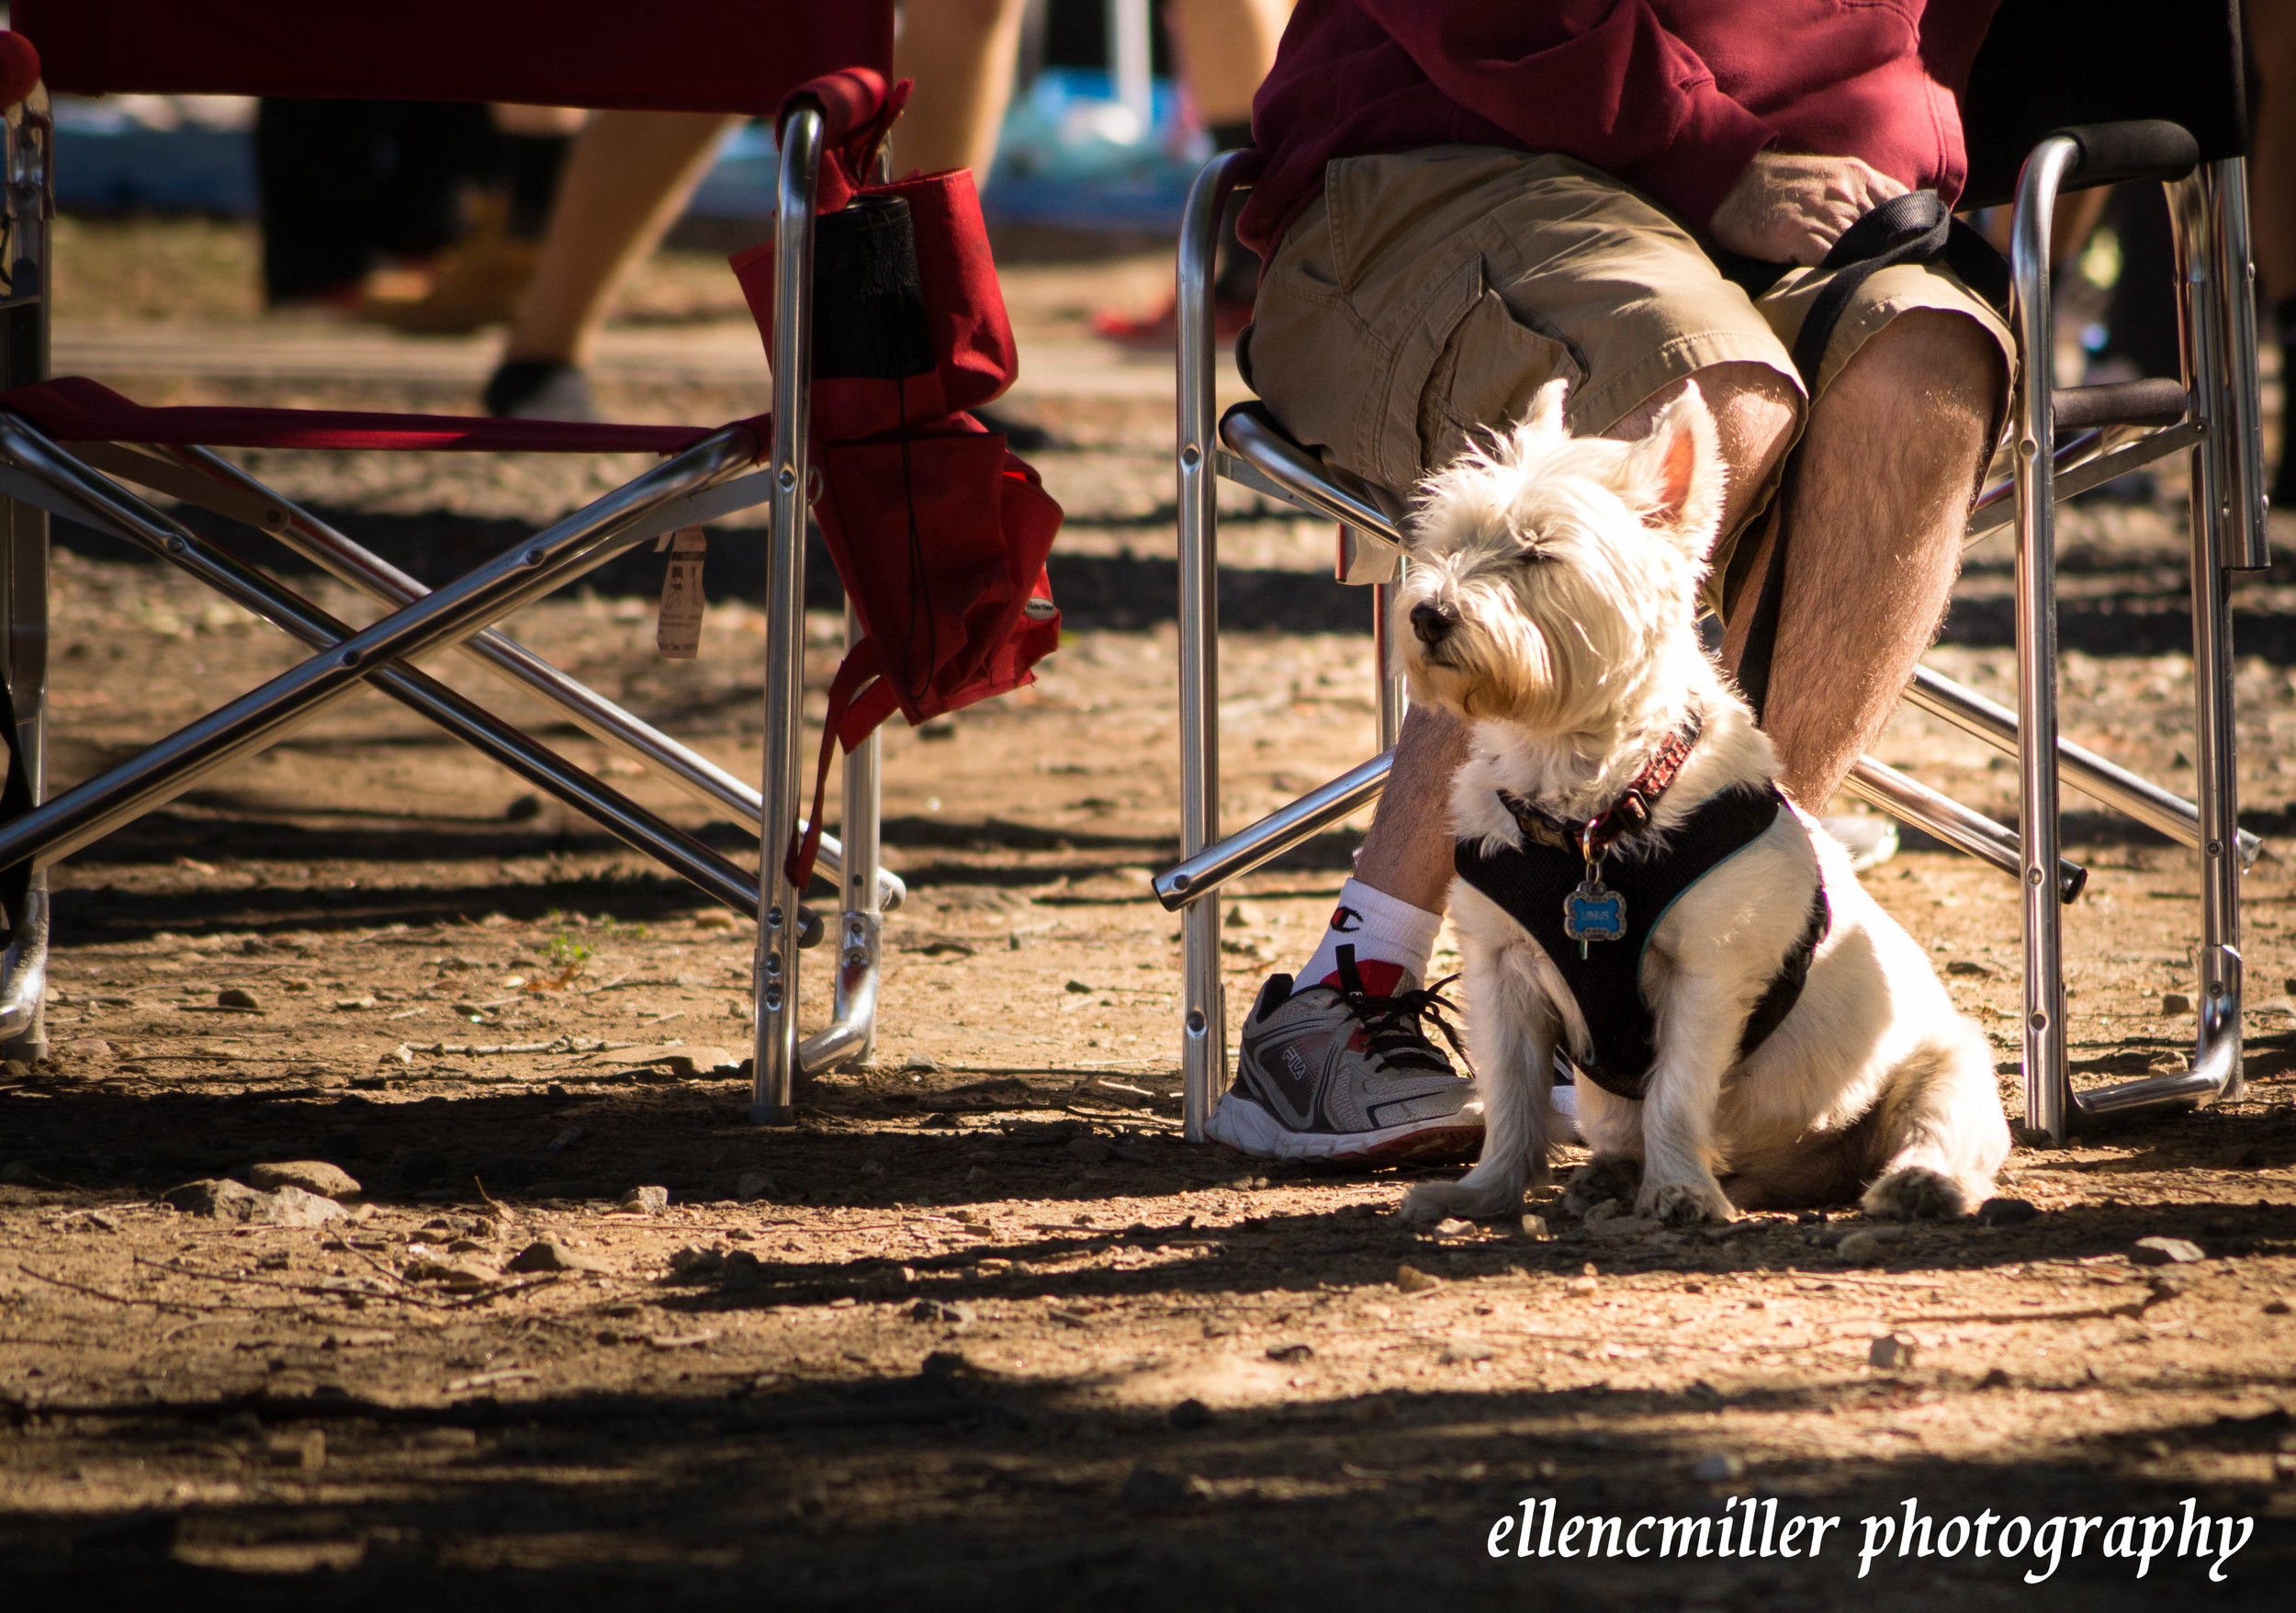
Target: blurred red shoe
(1162,329)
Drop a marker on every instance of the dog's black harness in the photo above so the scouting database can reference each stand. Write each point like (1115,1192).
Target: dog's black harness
(1539,882)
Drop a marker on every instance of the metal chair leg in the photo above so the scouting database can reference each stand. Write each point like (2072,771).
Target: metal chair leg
(851,1033)
(24,663)
(29,199)
(2210,229)
(776,972)
(1203,1014)
(1386,654)
(2046,1085)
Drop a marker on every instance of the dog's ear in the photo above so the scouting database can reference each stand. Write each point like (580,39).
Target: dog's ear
(1675,476)
(1540,428)
(1544,418)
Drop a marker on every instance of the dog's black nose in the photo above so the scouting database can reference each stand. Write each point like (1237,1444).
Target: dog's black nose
(1431,622)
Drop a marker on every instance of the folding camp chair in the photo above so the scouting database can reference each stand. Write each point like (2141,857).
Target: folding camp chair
(2136,92)
(66,446)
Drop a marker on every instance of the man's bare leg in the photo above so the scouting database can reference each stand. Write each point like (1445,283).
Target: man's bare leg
(1892,454)
(1407,854)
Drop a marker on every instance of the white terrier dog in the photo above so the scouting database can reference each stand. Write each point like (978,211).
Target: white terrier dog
(1756,1033)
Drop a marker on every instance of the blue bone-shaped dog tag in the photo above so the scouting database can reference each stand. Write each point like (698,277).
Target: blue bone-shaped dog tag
(1593,912)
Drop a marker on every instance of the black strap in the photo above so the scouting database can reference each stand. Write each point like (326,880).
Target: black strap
(1785,987)
(1914,228)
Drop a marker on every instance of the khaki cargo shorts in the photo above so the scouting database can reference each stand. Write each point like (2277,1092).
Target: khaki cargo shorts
(1429,294)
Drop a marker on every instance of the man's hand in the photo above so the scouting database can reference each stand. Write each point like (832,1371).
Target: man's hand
(1791,209)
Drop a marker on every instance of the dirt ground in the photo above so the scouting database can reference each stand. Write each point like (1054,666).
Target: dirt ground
(981,1330)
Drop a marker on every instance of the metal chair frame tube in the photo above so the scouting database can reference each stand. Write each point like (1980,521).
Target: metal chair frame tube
(2085,770)
(1964,829)
(28,200)
(2034,454)
(88,496)
(588,539)
(245,499)
(2090,460)
(1203,1011)
(852,1032)
(1394,698)
(1192,882)
(775,979)
(2226,501)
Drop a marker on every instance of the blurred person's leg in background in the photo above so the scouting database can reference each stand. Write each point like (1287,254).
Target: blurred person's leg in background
(2271,37)
(348,186)
(961,53)
(626,180)
(1225,48)
(481,278)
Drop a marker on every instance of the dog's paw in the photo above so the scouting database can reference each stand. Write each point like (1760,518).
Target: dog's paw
(1917,1193)
(1430,1202)
(1685,1203)
(1597,1180)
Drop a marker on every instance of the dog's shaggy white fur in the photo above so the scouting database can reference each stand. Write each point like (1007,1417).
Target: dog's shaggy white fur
(1556,581)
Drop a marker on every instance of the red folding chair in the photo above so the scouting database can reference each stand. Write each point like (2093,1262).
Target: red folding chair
(67,446)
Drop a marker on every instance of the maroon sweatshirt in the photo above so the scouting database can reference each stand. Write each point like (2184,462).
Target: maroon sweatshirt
(1673,97)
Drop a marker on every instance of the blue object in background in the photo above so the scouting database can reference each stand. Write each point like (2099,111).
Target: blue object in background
(1069,155)
(109,163)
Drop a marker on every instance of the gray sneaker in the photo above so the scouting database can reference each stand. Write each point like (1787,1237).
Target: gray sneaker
(1334,1074)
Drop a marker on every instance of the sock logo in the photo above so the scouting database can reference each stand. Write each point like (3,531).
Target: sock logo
(1347,920)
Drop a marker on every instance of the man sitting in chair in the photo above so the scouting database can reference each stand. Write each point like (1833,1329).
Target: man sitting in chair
(1460,201)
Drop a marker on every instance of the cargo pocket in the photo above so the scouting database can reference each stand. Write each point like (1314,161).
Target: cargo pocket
(1492,363)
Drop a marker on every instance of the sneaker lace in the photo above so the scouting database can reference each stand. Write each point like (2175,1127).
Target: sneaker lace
(1392,1025)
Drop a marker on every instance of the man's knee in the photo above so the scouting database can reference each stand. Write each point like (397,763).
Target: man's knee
(1755,409)
(1927,362)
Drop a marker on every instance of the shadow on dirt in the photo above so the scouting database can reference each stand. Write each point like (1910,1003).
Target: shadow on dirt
(643,1126)
(958,1489)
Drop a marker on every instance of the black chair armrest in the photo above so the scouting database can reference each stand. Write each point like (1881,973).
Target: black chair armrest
(2147,403)
(2145,148)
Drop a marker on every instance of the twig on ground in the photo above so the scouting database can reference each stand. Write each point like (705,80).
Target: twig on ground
(1896,1284)
(518,1285)
(340,1295)
(2135,1306)
(393,1277)
(116,1299)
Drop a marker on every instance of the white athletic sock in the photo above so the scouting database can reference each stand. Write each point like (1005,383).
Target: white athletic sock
(1389,934)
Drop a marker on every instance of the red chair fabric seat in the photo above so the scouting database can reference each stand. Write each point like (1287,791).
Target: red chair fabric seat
(72,409)
(672,55)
